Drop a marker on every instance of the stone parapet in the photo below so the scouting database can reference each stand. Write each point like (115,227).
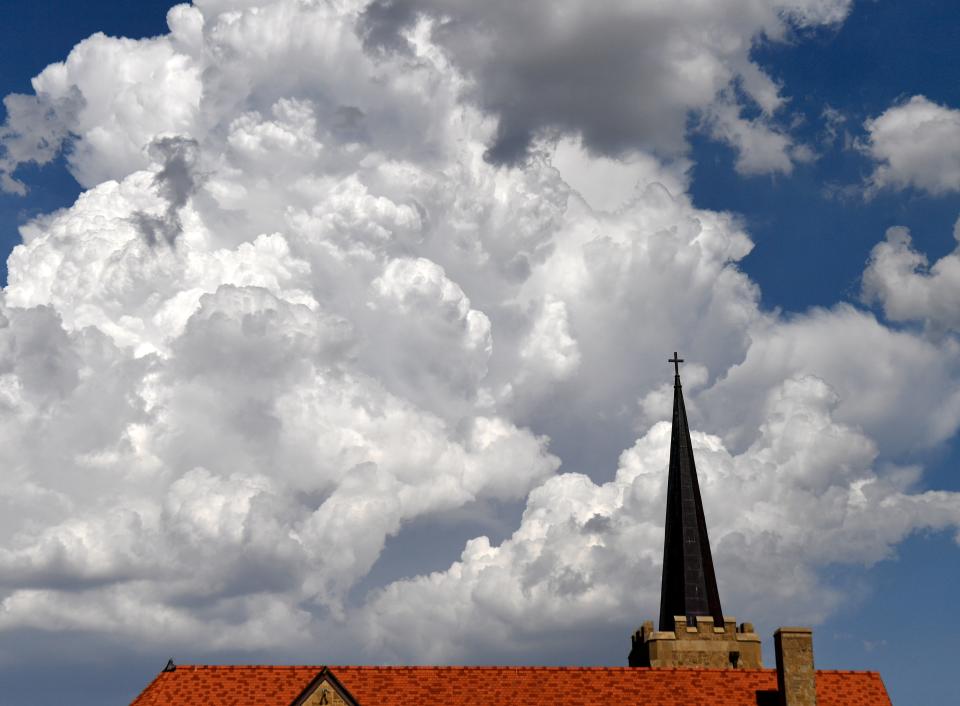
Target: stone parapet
(701,644)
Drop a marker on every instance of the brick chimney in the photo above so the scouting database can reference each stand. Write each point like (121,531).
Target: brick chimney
(796,678)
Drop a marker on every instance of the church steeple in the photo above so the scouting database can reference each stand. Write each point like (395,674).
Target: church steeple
(693,629)
(689,585)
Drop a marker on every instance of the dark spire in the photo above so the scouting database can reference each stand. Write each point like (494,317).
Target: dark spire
(689,585)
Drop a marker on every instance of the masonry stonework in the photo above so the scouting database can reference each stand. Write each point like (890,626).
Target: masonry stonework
(700,645)
(796,677)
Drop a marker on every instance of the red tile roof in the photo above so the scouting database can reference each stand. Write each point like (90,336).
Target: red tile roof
(196,685)
(517,686)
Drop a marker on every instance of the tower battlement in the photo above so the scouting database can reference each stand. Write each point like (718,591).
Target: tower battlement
(701,644)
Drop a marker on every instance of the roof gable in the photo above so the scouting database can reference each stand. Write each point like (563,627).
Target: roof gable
(325,690)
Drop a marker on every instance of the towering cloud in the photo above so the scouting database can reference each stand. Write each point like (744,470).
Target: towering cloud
(312,296)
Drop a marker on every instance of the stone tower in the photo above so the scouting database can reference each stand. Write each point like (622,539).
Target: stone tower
(693,630)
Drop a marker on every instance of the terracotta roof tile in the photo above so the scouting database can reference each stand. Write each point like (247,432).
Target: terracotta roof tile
(193,685)
(520,686)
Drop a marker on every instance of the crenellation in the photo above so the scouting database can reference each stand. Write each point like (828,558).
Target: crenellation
(729,626)
(697,646)
(704,626)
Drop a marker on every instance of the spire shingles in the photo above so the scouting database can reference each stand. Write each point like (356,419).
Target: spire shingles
(689,584)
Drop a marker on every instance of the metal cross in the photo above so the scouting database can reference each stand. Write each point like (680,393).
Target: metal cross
(676,363)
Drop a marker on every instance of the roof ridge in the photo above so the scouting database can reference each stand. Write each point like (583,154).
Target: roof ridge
(250,666)
(538,667)
(497,667)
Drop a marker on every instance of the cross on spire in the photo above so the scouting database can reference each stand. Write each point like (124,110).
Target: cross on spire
(676,363)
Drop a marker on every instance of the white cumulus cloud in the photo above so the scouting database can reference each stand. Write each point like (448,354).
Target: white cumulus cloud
(623,76)
(802,496)
(915,144)
(296,311)
(909,288)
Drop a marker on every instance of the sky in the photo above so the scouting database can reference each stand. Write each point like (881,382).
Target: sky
(337,332)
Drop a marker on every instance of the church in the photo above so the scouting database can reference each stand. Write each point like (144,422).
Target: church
(696,656)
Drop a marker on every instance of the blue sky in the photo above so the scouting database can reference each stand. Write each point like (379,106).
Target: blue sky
(811,249)
(161,431)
